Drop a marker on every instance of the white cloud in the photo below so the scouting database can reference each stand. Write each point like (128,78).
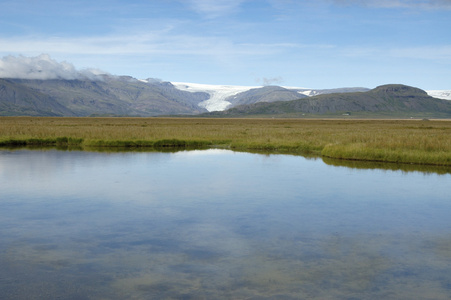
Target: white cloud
(41,67)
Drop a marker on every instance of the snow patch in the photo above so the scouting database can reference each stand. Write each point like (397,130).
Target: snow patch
(309,93)
(441,94)
(218,93)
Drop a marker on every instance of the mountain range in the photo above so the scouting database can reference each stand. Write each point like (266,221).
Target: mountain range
(108,95)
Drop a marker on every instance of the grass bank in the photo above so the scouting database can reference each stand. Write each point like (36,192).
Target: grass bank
(401,141)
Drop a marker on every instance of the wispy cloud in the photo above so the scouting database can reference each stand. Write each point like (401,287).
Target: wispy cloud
(144,43)
(214,8)
(421,4)
(440,54)
(270,81)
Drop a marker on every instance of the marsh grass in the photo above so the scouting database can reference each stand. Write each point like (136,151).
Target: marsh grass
(401,141)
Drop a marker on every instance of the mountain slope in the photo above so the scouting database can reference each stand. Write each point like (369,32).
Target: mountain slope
(264,94)
(19,100)
(393,98)
(111,96)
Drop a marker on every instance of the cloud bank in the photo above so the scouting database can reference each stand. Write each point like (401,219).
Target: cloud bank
(42,67)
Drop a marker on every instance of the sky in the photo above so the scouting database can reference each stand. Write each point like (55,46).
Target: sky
(299,43)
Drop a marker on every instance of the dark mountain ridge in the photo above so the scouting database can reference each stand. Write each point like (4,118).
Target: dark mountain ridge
(392,98)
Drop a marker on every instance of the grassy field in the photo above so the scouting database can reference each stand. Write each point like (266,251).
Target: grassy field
(402,141)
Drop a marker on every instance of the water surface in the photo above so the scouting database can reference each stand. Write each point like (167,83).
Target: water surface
(216,224)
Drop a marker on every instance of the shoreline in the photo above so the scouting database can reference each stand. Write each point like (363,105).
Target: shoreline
(423,142)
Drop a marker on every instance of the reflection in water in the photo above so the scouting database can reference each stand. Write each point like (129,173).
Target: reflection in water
(387,166)
(217,224)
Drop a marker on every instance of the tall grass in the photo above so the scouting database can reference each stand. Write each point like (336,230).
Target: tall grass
(405,141)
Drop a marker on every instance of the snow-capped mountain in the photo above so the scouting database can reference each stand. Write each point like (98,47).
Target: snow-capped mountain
(223,97)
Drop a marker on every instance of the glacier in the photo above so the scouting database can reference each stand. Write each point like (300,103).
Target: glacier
(440,94)
(218,93)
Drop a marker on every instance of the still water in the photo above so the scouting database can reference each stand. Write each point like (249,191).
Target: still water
(217,224)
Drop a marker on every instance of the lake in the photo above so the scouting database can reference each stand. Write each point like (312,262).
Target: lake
(217,224)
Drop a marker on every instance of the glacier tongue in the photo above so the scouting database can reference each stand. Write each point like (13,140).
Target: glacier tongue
(218,93)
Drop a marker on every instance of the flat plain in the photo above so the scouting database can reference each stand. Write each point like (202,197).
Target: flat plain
(410,141)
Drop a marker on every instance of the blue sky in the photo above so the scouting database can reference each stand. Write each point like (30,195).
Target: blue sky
(310,43)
